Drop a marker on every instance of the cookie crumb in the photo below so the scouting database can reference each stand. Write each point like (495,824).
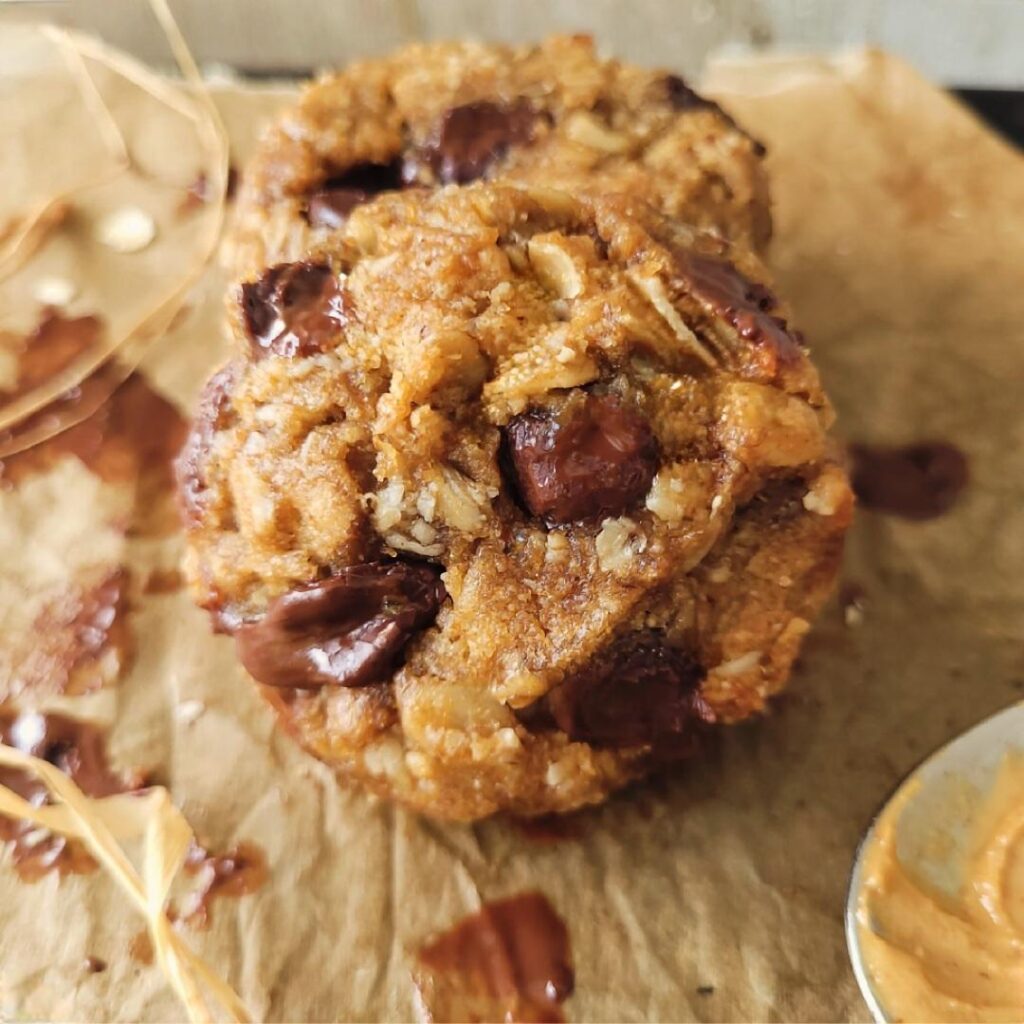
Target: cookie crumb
(188,711)
(54,291)
(129,229)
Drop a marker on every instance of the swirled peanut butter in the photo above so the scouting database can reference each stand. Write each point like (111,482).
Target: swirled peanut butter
(935,957)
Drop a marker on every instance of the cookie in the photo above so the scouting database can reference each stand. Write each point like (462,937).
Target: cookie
(509,496)
(554,114)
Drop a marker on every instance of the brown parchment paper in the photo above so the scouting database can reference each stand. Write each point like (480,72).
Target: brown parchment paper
(719,894)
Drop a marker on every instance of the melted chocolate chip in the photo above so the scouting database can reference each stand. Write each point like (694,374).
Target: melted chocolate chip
(916,481)
(745,304)
(639,693)
(212,416)
(469,140)
(330,205)
(509,961)
(294,309)
(597,460)
(347,630)
(682,97)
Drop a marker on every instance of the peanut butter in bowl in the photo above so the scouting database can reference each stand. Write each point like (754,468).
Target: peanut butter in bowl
(939,906)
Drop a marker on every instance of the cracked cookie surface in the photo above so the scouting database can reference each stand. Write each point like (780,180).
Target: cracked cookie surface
(509,495)
(552,114)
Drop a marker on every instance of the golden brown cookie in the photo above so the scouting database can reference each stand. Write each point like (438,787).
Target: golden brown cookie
(509,495)
(554,114)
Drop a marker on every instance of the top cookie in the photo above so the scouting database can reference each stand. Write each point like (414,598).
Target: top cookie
(553,114)
(508,494)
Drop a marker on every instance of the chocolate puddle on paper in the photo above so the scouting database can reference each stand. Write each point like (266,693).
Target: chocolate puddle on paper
(79,638)
(50,347)
(140,949)
(509,961)
(131,439)
(130,433)
(78,749)
(914,481)
(240,871)
(200,191)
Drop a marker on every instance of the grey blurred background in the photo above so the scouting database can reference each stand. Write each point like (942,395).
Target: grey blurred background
(976,43)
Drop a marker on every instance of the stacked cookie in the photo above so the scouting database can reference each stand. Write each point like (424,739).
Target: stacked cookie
(518,483)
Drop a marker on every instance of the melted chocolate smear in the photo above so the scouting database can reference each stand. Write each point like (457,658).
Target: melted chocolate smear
(240,871)
(131,438)
(469,140)
(76,404)
(347,630)
(77,749)
(200,192)
(639,693)
(681,97)
(74,635)
(52,346)
(598,459)
(916,481)
(294,309)
(510,961)
(140,949)
(330,205)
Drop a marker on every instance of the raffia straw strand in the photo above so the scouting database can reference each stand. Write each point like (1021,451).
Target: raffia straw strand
(100,824)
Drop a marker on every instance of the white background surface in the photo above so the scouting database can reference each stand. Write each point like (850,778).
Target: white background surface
(959,42)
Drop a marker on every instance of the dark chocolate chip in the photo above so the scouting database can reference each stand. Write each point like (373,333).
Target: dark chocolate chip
(597,459)
(469,139)
(190,466)
(641,692)
(916,481)
(745,304)
(682,97)
(330,205)
(347,630)
(294,309)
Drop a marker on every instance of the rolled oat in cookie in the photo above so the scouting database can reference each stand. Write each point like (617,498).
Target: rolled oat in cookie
(509,496)
(555,114)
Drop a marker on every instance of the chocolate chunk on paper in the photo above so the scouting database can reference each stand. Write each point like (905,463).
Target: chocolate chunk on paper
(719,894)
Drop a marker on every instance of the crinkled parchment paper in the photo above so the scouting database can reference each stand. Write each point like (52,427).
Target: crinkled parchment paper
(719,894)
